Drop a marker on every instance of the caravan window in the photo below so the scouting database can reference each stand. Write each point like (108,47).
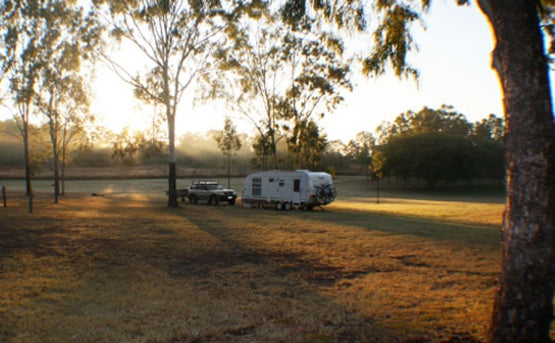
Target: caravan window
(296,185)
(281,183)
(257,186)
(321,181)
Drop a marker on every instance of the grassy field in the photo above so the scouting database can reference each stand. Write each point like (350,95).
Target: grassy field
(421,266)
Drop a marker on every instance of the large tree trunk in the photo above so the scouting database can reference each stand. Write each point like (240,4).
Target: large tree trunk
(523,308)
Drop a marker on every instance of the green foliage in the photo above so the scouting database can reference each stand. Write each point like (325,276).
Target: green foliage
(391,19)
(227,139)
(431,157)
(262,149)
(287,78)
(229,143)
(393,40)
(490,128)
(378,163)
(131,148)
(489,158)
(307,145)
(441,145)
(444,120)
(344,14)
(360,150)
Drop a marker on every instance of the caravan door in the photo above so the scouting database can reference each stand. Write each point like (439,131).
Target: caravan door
(296,192)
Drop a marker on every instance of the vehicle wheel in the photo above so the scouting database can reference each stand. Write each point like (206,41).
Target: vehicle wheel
(192,199)
(287,206)
(231,202)
(213,200)
(279,206)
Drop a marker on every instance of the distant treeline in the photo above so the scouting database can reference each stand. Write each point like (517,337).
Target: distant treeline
(432,145)
(103,148)
(440,145)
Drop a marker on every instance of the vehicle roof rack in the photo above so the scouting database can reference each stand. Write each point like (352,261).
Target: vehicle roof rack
(204,182)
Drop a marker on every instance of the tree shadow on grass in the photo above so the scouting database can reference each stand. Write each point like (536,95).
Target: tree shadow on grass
(298,273)
(479,235)
(254,291)
(251,295)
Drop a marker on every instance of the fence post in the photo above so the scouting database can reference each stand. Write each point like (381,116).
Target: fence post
(4,200)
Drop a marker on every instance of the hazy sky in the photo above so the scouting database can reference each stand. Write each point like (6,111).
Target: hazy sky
(454,63)
(453,60)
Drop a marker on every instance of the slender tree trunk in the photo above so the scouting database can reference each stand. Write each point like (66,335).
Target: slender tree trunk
(55,155)
(523,308)
(172,183)
(229,170)
(63,175)
(25,132)
(56,181)
(377,190)
(63,162)
(56,175)
(28,185)
(273,146)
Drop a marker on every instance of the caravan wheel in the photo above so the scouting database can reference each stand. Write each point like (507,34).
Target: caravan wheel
(279,206)
(287,206)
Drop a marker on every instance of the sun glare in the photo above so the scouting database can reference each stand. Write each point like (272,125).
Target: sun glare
(117,109)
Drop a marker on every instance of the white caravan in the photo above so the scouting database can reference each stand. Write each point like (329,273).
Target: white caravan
(288,189)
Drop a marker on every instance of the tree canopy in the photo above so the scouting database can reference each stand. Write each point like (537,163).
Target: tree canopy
(43,46)
(287,79)
(441,145)
(177,39)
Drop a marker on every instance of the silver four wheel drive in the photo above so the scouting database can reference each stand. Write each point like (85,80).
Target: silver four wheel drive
(211,191)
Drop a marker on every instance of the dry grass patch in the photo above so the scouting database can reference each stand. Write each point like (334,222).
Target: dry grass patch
(114,270)
(423,278)
(130,270)
(458,212)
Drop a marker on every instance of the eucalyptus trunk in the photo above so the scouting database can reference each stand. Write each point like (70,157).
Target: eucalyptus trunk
(273,147)
(229,170)
(172,183)
(56,170)
(63,161)
(523,308)
(28,184)
(53,122)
